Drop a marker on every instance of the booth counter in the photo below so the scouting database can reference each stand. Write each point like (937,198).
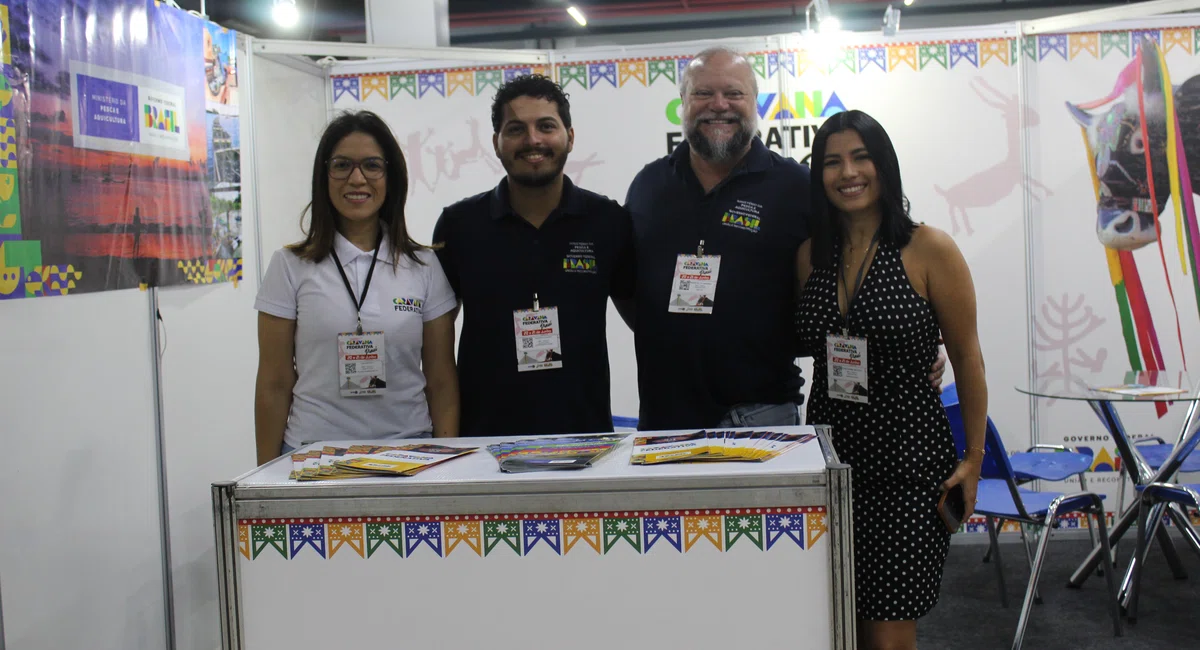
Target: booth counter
(679,555)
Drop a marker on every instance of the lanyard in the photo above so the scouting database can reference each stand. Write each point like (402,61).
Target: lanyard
(857,282)
(360,301)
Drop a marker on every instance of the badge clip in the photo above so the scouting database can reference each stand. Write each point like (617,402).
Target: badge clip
(700,249)
(535,303)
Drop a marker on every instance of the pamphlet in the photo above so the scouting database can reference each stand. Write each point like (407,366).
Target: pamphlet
(361,461)
(1139,390)
(549,454)
(715,446)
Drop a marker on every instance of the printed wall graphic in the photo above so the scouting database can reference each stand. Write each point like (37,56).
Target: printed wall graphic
(1062,325)
(123,178)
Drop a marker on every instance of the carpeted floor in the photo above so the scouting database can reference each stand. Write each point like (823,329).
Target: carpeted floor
(969,615)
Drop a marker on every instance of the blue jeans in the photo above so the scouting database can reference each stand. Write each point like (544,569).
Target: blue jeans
(762,415)
(285,448)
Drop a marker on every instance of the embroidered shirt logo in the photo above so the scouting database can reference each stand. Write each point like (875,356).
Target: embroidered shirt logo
(580,258)
(744,216)
(408,304)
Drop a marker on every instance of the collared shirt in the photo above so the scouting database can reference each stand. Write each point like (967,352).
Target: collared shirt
(693,368)
(496,261)
(400,300)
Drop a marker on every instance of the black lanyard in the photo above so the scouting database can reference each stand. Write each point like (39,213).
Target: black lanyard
(857,282)
(359,301)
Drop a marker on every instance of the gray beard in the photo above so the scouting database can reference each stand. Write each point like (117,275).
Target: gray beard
(724,151)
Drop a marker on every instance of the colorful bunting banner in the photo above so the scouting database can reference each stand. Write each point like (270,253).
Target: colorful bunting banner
(656,528)
(602,72)
(662,68)
(345,533)
(902,54)
(418,533)
(702,527)
(345,85)
(541,530)
(431,81)
(495,532)
(1056,43)
(387,532)
(681,64)
(938,53)
(310,534)
(632,70)
(376,83)
(626,528)
(569,73)
(468,532)
(585,530)
(1110,41)
(461,79)
(513,73)
(486,78)
(274,536)
(960,52)
(406,82)
(995,50)
(1089,43)
(750,527)
(1177,37)
(872,55)
(847,59)
(759,63)
(790,526)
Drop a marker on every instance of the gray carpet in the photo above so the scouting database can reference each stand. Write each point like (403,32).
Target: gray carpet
(969,614)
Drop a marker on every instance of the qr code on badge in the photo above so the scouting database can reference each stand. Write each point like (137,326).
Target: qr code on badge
(837,371)
(684,285)
(351,369)
(527,343)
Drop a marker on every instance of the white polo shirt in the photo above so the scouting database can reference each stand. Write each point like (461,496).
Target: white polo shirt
(400,300)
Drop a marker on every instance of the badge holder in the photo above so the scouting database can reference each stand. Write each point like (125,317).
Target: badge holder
(537,336)
(845,355)
(694,289)
(362,356)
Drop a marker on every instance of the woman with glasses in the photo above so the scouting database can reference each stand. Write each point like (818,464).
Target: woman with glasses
(356,322)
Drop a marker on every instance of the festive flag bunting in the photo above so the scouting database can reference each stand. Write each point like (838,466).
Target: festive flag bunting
(704,527)
(345,85)
(626,529)
(780,60)
(495,532)
(816,525)
(962,51)
(606,71)
(375,83)
(1086,42)
(902,54)
(1110,41)
(790,526)
(656,528)
(468,532)
(934,53)
(872,55)
(804,61)
(540,70)
(1177,37)
(1138,35)
(485,78)
(633,70)
(244,540)
(406,82)
(346,534)
(662,68)
(759,63)
(1029,46)
(461,79)
(847,59)
(569,73)
(274,536)
(995,50)
(431,80)
(513,73)
(1048,43)
(739,526)
(541,530)
(681,64)
(417,533)
(575,530)
(391,534)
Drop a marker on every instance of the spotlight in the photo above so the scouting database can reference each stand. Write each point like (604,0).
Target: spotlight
(826,21)
(891,21)
(908,3)
(285,13)
(577,15)
(830,24)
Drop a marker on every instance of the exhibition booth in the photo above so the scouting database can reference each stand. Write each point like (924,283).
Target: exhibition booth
(140,263)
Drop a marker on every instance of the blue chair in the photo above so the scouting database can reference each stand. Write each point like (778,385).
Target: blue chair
(1155,498)
(1000,499)
(622,422)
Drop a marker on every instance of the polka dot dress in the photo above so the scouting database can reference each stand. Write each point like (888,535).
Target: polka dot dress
(898,445)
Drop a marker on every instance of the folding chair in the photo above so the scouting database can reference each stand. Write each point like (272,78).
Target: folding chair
(1001,499)
(1155,498)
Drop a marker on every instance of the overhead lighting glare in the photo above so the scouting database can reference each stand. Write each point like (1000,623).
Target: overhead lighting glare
(285,14)
(577,15)
(908,3)
(830,25)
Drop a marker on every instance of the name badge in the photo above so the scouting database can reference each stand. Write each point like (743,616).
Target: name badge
(847,362)
(695,287)
(361,367)
(537,337)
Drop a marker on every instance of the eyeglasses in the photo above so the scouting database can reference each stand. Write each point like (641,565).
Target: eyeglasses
(372,168)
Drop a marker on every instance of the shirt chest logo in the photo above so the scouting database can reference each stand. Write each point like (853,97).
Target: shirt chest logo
(408,304)
(580,258)
(744,215)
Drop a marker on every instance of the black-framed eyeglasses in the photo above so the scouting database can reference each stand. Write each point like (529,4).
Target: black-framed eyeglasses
(372,168)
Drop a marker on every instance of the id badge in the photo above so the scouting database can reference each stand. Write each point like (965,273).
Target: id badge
(695,286)
(539,346)
(847,361)
(361,364)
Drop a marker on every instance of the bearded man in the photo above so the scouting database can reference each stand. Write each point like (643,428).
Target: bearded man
(534,262)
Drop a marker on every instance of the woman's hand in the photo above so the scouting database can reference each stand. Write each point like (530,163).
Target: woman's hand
(967,475)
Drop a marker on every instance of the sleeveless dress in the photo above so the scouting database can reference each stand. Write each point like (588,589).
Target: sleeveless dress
(898,445)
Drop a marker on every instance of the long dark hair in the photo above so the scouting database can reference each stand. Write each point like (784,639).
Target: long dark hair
(896,227)
(318,240)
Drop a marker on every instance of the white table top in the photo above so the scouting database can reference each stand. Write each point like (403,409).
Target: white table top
(481,467)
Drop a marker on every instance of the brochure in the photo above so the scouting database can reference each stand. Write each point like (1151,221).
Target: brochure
(1139,390)
(404,460)
(553,453)
(715,446)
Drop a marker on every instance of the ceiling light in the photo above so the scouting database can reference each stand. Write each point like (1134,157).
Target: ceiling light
(577,15)
(908,3)
(285,13)
(830,24)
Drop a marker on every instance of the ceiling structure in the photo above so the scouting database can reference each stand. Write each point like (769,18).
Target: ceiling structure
(488,22)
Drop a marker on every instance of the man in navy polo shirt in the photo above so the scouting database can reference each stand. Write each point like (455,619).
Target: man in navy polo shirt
(717,224)
(534,262)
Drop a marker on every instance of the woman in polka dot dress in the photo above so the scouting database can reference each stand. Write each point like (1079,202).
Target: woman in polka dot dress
(905,285)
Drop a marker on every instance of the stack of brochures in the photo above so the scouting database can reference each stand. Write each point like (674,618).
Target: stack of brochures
(711,446)
(544,454)
(361,461)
